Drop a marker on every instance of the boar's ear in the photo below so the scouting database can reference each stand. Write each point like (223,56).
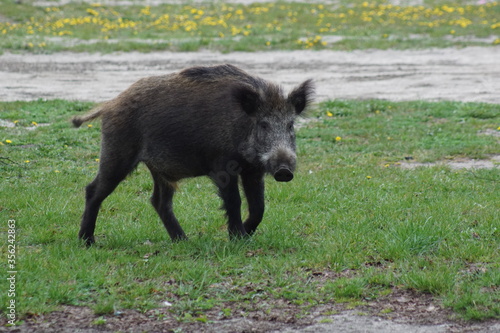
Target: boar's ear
(248,98)
(302,96)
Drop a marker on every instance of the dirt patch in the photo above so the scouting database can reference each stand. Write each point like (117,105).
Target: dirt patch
(457,164)
(469,74)
(7,123)
(4,19)
(11,124)
(492,132)
(401,311)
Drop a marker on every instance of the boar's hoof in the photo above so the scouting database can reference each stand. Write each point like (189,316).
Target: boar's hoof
(283,175)
(87,240)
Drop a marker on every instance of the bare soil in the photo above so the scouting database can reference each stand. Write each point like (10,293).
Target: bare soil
(402,311)
(469,74)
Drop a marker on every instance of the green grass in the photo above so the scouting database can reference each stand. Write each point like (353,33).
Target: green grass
(350,209)
(264,26)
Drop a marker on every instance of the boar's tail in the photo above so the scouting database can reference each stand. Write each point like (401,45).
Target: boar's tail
(93,114)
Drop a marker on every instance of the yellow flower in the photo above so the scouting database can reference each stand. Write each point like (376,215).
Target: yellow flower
(329,114)
(34,123)
(27,161)
(368,177)
(338,138)
(97,160)
(8,141)
(89,125)
(387,165)
(146,10)
(268,43)
(498,128)
(93,12)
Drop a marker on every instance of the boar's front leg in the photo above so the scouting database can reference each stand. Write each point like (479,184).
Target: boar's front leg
(112,170)
(253,185)
(230,195)
(162,201)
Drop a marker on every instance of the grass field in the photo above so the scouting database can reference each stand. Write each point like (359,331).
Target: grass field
(351,211)
(345,25)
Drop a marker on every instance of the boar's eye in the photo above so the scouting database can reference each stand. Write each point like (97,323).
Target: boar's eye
(264,125)
(290,126)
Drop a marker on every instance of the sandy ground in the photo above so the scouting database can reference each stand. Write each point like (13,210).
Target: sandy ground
(469,74)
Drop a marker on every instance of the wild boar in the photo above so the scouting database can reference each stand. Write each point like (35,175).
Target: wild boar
(218,121)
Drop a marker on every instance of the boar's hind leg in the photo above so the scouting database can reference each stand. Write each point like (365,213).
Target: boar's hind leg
(111,172)
(253,185)
(162,201)
(230,195)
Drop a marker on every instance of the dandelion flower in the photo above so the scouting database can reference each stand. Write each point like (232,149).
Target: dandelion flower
(329,114)
(368,177)
(89,125)
(97,160)
(338,138)
(34,123)
(27,161)
(8,141)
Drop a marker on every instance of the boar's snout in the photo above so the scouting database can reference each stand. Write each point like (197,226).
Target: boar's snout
(284,174)
(282,164)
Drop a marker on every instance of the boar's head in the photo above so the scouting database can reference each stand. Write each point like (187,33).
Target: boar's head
(271,139)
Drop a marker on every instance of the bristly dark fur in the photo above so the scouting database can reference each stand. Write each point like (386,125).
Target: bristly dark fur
(213,72)
(302,95)
(217,121)
(226,72)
